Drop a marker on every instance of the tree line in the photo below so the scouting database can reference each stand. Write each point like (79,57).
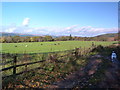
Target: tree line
(17,39)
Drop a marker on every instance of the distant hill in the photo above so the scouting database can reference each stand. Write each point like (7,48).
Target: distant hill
(111,35)
(107,35)
(14,34)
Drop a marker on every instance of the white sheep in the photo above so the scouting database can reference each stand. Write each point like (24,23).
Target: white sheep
(26,45)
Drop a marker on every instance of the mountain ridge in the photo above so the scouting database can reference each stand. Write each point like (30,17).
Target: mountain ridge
(23,35)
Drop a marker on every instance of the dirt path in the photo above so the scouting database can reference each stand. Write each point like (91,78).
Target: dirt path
(81,76)
(112,76)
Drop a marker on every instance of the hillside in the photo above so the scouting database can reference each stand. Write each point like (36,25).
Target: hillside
(107,35)
(22,35)
(14,34)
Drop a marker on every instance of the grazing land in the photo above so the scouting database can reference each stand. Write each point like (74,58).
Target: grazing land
(32,65)
(44,47)
(92,69)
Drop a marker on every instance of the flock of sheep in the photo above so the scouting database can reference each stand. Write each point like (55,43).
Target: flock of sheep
(40,44)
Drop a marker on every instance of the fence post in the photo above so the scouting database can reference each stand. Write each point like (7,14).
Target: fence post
(84,51)
(26,60)
(76,52)
(14,64)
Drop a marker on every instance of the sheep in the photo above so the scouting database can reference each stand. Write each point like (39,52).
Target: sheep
(26,45)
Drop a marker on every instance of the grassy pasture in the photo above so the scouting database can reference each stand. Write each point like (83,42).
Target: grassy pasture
(52,71)
(43,47)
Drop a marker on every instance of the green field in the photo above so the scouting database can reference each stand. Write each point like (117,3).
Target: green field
(42,47)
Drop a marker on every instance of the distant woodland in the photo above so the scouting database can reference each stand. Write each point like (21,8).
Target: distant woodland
(17,39)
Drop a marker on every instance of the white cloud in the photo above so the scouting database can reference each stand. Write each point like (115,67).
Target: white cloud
(28,30)
(26,22)
(10,30)
(71,27)
(91,31)
(75,30)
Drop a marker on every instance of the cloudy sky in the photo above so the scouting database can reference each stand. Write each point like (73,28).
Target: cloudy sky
(60,18)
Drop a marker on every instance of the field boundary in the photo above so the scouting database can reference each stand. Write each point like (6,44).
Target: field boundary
(36,53)
(14,66)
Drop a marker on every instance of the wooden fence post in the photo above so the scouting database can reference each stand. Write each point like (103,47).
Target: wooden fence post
(76,52)
(26,60)
(84,51)
(14,64)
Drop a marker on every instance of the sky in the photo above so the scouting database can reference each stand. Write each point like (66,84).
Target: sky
(60,18)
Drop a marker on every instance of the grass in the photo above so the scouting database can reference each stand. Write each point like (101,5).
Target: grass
(44,47)
(52,71)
